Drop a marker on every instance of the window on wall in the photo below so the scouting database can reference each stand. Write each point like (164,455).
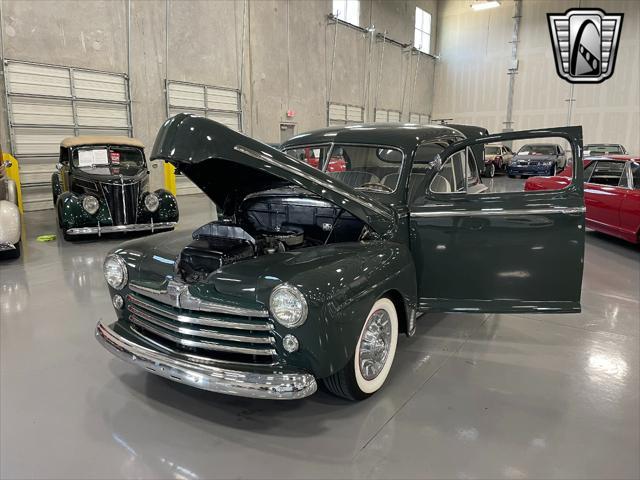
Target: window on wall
(422,37)
(347,10)
(341,114)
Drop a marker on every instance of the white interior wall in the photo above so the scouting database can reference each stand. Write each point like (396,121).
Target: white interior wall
(471,78)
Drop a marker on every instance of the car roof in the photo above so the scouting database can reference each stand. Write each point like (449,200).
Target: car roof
(100,140)
(542,144)
(404,135)
(603,145)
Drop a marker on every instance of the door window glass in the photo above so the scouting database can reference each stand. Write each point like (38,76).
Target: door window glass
(458,174)
(607,173)
(589,171)
(635,174)
(493,168)
(424,159)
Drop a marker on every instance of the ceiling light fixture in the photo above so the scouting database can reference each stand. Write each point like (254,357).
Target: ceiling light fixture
(485,5)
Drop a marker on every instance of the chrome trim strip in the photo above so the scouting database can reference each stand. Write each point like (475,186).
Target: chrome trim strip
(190,302)
(137,227)
(197,319)
(330,186)
(204,333)
(499,213)
(205,345)
(190,357)
(124,201)
(272,385)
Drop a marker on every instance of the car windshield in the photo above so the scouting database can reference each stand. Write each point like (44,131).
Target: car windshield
(537,150)
(489,150)
(93,156)
(603,149)
(314,156)
(369,168)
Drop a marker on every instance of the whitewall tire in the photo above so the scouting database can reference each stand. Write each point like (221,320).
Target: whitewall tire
(368,368)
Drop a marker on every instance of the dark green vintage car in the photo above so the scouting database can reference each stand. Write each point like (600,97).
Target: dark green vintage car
(311,276)
(102,186)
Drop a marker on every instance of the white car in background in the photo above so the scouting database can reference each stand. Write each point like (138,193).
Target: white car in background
(10,220)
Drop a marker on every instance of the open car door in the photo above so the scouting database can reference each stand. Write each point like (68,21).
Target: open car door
(493,247)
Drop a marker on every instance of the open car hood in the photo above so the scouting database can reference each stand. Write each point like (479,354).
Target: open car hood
(228,166)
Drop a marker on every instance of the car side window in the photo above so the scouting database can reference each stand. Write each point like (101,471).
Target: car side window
(458,174)
(607,173)
(423,161)
(588,171)
(635,174)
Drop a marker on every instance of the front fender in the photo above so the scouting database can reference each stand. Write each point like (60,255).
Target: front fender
(341,283)
(9,222)
(167,208)
(71,214)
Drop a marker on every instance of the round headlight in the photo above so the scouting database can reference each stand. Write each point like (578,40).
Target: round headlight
(151,202)
(90,204)
(115,271)
(288,306)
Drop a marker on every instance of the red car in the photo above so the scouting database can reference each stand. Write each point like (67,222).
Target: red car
(336,162)
(611,194)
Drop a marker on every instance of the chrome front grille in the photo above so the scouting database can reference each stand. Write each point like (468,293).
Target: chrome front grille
(213,336)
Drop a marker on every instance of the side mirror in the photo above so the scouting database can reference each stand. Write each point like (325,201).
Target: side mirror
(8,164)
(59,166)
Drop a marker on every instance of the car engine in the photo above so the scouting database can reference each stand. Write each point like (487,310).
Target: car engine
(268,223)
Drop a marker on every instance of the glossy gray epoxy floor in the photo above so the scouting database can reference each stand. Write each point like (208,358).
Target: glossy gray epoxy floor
(471,396)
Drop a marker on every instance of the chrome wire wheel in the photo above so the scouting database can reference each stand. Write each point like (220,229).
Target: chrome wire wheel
(375,344)
(367,370)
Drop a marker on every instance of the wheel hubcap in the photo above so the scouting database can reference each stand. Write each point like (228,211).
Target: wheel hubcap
(375,344)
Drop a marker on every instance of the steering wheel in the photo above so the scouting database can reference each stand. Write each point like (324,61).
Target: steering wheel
(377,186)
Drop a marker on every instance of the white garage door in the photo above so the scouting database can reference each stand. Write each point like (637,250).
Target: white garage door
(387,116)
(341,114)
(419,118)
(47,103)
(217,103)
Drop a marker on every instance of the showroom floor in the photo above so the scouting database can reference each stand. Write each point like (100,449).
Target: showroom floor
(469,396)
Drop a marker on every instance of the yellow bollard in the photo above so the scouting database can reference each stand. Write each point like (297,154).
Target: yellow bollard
(13,172)
(170,177)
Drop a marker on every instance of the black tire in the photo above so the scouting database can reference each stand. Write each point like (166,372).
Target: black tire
(511,176)
(346,383)
(490,170)
(15,252)
(55,190)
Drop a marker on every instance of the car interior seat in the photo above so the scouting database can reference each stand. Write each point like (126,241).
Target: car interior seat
(355,178)
(440,185)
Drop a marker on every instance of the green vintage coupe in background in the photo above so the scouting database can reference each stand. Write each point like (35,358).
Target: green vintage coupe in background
(102,186)
(311,276)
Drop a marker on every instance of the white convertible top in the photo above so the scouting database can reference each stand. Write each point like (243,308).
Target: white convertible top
(100,140)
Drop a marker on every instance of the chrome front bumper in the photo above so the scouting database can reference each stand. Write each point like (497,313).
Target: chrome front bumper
(276,385)
(136,227)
